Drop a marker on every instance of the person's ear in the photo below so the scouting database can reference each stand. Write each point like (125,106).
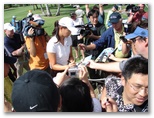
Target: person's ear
(123,81)
(146,42)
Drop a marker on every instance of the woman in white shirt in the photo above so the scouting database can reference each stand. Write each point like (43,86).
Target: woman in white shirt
(59,47)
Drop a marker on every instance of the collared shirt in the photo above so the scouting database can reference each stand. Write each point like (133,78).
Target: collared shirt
(114,89)
(62,51)
(118,44)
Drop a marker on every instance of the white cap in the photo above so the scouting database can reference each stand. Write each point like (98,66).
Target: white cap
(8,26)
(37,17)
(14,17)
(67,22)
(77,6)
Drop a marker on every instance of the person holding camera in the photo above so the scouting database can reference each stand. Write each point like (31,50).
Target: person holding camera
(139,39)
(137,13)
(94,34)
(36,40)
(110,38)
(59,47)
(16,47)
(75,34)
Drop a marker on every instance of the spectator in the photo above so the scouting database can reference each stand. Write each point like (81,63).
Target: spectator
(36,44)
(111,37)
(7,82)
(131,92)
(100,9)
(95,32)
(35,91)
(136,16)
(80,13)
(59,48)
(15,46)
(77,93)
(75,33)
(139,39)
(114,9)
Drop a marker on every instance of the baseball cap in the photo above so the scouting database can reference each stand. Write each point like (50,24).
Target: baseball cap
(116,7)
(37,17)
(35,91)
(67,22)
(8,26)
(138,32)
(115,17)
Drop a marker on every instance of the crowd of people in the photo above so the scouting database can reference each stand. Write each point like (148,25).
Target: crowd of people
(47,85)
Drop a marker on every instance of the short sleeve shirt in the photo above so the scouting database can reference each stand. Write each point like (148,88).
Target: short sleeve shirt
(114,89)
(62,51)
(14,43)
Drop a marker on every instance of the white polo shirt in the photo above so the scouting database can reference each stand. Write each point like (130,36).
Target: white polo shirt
(62,51)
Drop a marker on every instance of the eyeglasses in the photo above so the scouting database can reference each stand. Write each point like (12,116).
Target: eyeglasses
(138,88)
(134,40)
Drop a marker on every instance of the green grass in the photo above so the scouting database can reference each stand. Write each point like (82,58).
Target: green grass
(21,12)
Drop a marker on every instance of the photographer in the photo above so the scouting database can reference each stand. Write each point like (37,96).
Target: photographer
(136,14)
(95,32)
(36,40)
(110,38)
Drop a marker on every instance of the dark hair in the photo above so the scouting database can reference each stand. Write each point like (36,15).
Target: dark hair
(95,7)
(75,96)
(134,66)
(55,31)
(92,12)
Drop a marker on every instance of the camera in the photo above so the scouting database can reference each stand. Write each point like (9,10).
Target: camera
(74,71)
(127,28)
(123,39)
(30,23)
(135,9)
(85,29)
(37,31)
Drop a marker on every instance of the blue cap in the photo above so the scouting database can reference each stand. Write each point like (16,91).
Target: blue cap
(114,17)
(138,32)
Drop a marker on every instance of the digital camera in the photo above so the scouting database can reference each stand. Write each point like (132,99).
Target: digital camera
(74,71)
(127,28)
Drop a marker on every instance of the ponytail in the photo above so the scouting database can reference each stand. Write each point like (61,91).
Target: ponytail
(55,31)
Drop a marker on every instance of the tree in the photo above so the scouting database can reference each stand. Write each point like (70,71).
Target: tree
(58,10)
(48,13)
(42,10)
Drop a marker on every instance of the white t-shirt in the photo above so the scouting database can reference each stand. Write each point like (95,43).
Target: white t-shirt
(76,31)
(80,13)
(62,51)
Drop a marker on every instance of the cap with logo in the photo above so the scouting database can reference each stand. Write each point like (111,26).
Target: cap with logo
(138,32)
(114,17)
(35,91)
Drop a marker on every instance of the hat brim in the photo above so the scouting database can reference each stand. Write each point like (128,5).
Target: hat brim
(72,29)
(114,21)
(10,28)
(131,36)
